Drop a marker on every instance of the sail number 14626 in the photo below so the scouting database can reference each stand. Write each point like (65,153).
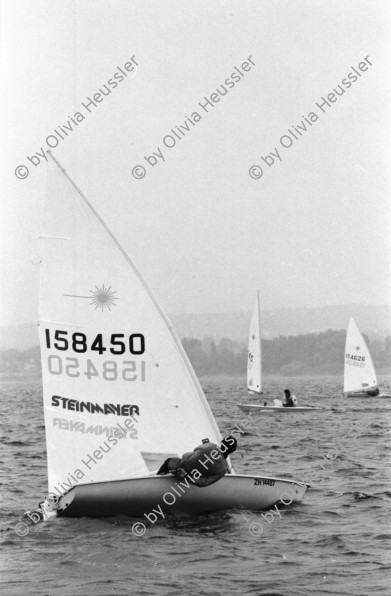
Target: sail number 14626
(79,343)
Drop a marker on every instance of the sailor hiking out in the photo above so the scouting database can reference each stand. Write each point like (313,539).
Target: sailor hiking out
(208,460)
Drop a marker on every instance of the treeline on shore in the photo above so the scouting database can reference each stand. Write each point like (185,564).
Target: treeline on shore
(314,353)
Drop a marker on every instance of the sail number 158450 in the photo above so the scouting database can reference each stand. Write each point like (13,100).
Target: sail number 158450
(78,342)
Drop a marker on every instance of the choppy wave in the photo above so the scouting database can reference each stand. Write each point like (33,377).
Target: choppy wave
(337,541)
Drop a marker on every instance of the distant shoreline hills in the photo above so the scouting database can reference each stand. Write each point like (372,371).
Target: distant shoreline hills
(373,320)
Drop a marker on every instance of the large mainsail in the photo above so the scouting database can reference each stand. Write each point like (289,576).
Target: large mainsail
(119,392)
(360,372)
(254,360)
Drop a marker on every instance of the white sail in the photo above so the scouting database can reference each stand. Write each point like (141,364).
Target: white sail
(360,373)
(119,392)
(254,360)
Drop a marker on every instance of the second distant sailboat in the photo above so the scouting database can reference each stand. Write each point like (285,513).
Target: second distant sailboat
(360,375)
(254,370)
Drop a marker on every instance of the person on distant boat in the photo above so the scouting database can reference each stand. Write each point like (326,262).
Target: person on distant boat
(372,392)
(205,465)
(290,401)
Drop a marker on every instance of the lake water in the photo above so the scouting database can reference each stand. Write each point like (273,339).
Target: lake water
(337,541)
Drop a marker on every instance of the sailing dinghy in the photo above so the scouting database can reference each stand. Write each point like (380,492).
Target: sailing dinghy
(254,370)
(277,409)
(120,395)
(359,373)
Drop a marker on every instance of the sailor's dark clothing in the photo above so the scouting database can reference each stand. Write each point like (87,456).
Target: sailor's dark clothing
(289,403)
(373,392)
(211,467)
(169,465)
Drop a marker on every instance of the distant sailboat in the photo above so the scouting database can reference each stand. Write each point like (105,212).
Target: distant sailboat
(254,370)
(254,358)
(120,395)
(359,374)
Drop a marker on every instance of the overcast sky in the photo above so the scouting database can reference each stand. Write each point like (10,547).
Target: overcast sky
(314,230)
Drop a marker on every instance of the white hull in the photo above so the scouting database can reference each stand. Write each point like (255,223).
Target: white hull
(139,496)
(257,408)
(362,395)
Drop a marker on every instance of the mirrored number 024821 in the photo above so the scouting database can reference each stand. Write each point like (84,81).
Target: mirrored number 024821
(109,370)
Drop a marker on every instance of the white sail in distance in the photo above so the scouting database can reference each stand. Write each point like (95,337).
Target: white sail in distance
(254,359)
(359,374)
(115,376)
